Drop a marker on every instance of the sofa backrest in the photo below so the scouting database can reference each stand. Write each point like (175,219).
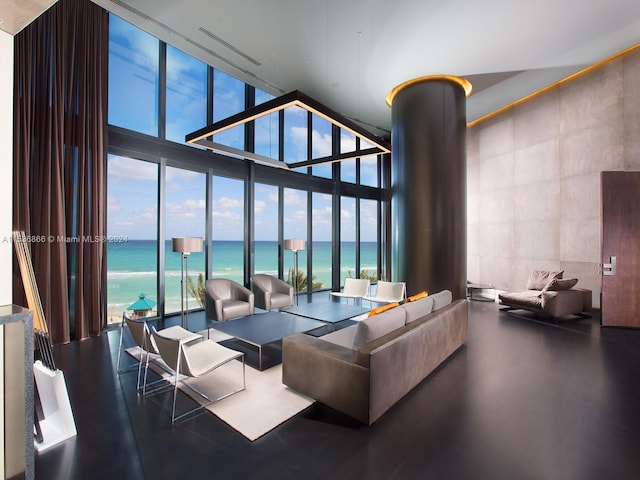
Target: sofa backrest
(377,326)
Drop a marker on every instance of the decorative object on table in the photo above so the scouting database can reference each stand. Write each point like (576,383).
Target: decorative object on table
(142,306)
(295,245)
(185,246)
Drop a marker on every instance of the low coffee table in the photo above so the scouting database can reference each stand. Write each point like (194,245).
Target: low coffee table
(327,312)
(261,329)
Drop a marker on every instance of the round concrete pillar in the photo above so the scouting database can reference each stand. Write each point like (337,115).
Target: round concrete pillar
(429,200)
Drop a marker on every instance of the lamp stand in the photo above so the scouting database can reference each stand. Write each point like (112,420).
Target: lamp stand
(295,254)
(184,295)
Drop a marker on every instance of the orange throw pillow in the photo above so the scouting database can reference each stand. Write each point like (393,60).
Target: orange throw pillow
(383,308)
(417,296)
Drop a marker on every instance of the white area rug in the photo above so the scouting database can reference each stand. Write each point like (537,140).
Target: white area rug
(265,404)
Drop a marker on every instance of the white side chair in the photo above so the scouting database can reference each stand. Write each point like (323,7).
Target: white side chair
(139,330)
(354,288)
(194,361)
(388,292)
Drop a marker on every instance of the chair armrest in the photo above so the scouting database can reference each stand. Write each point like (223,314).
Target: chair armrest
(326,372)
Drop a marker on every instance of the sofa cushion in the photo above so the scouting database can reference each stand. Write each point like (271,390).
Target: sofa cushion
(441,299)
(558,284)
(530,298)
(375,327)
(418,309)
(539,278)
(342,337)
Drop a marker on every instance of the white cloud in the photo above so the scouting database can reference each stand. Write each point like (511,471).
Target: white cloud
(224,203)
(131,169)
(259,206)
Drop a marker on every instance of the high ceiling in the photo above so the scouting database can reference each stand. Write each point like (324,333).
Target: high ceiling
(348,54)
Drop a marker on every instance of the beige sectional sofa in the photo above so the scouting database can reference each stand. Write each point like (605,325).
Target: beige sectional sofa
(364,369)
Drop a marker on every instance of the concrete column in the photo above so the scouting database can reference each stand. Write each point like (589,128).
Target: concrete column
(428,204)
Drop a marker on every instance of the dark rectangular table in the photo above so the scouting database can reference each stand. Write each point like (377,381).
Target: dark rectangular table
(261,329)
(328,312)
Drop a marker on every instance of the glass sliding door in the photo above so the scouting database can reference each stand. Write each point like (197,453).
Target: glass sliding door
(132,217)
(185,216)
(227,249)
(265,210)
(321,267)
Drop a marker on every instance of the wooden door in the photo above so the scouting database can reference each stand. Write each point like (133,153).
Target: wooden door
(620,233)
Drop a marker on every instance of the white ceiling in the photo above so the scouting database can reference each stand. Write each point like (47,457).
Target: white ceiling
(17,14)
(348,54)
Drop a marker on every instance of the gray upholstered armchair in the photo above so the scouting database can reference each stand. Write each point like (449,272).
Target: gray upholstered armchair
(226,299)
(271,292)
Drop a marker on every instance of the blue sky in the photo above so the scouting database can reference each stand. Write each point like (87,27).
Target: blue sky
(132,184)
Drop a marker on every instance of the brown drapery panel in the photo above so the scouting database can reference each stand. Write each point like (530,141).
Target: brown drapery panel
(60,105)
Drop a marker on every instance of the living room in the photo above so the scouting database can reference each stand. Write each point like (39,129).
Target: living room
(532,202)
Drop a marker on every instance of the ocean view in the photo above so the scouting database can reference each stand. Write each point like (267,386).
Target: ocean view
(131,268)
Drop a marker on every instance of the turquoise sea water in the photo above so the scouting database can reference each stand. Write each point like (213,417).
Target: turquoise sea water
(131,267)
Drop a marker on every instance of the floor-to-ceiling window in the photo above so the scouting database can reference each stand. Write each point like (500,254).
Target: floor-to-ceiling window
(186,94)
(160,187)
(133,77)
(265,208)
(185,201)
(227,233)
(348,265)
(369,231)
(295,228)
(132,218)
(322,261)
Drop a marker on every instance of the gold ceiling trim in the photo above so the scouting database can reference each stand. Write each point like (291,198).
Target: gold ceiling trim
(560,82)
(465,84)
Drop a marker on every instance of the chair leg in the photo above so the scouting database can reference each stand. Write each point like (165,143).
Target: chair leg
(175,393)
(119,349)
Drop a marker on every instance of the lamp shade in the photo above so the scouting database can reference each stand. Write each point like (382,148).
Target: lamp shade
(294,245)
(186,244)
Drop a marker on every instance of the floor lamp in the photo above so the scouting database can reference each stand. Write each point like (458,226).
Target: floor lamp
(185,246)
(294,246)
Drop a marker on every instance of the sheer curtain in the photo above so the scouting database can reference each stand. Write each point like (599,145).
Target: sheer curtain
(60,101)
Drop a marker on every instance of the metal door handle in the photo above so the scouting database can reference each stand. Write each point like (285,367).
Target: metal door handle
(609,269)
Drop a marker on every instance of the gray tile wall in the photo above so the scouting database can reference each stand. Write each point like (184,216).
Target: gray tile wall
(533,185)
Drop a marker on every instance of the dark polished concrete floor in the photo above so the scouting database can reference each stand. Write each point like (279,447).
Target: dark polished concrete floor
(524,399)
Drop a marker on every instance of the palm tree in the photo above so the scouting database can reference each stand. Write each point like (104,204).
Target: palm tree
(301,281)
(196,292)
(364,274)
